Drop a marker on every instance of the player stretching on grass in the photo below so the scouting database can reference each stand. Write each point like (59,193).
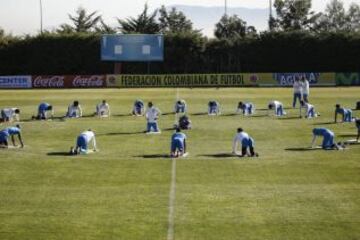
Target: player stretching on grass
(245,108)
(357,122)
(247,143)
(103,109)
(309,110)
(278,107)
(10,114)
(6,133)
(138,108)
(83,141)
(178,144)
(328,139)
(74,110)
(346,113)
(213,108)
(152,115)
(180,106)
(43,109)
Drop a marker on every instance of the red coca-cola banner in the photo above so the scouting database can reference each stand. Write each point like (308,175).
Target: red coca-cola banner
(69,81)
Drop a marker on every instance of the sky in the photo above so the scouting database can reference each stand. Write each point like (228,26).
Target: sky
(21,17)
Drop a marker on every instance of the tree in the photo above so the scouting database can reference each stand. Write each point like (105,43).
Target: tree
(174,21)
(105,28)
(336,18)
(293,15)
(232,27)
(82,22)
(144,23)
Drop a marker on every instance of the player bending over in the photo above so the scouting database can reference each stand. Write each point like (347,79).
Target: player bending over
(346,113)
(247,143)
(213,108)
(152,115)
(246,108)
(138,108)
(357,122)
(10,132)
(103,109)
(180,106)
(184,122)
(74,110)
(10,114)
(309,110)
(178,144)
(278,107)
(83,141)
(328,139)
(43,110)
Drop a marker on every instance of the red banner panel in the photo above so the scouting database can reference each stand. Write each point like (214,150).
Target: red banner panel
(69,81)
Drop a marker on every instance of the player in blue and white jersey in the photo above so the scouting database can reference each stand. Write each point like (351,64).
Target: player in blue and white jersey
(278,107)
(309,110)
(247,143)
(178,144)
(43,110)
(346,113)
(10,114)
(152,115)
(10,132)
(180,106)
(328,142)
(213,108)
(74,110)
(83,141)
(138,108)
(246,108)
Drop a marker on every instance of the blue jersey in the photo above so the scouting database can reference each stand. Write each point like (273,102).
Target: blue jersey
(322,132)
(341,111)
(178,137)
(10,131)
(43,107)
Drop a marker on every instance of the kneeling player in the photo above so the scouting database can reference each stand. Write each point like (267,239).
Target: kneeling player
(10,114)
(246,108)
(309,110)
(43,110)
(83,141)
(213,108)
(180,106)
(328,139)
(138,108)
(278,108)
(184,122)
(74,110)
(346,113)
(103,109)
(247,143)
(152,115)
(10,132)
(178,144)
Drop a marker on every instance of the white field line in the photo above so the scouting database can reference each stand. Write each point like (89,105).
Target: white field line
(172,195)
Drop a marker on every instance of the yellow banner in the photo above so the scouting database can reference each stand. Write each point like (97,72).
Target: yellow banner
(183,80)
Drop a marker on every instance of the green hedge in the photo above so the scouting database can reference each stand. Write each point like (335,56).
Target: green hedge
(187,53)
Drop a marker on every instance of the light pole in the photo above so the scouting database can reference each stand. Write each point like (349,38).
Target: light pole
(41,17)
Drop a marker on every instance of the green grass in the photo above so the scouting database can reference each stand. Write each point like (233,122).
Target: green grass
(118,194)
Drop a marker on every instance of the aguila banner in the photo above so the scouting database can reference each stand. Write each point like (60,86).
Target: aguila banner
(69,81)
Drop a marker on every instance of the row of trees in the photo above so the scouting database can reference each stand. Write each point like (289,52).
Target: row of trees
(299,40)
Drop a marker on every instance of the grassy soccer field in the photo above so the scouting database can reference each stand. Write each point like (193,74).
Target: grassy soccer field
(122,192)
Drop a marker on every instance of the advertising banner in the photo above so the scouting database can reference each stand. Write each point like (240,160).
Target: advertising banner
(69,81)
(183,80)
(315,78)
(15,81)
(347,79)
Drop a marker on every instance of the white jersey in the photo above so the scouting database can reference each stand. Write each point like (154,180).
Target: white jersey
(275,104)
(89,136)
(308,107)
(306,87)
(152,114)
(103,109)
(297,87)
(239,138)
(9,112)
(72,110)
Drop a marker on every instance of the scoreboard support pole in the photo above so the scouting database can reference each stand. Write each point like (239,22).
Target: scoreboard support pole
(117,67)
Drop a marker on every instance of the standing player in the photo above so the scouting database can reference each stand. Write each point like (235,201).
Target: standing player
(297,91)
(103,109)
(305,87)
(309,110)
(43,109)
(213,108)
(180,106)
(278,107)
(138,108)
(178,144)
(10,114)
(83,141)
(10,132)
(152,114)
(74,110)
(246,143)
(357,122)
(328,139)
(246,108)
(346,113)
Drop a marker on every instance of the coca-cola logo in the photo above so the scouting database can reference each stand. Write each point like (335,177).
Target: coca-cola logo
(49,82)
(88,81)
